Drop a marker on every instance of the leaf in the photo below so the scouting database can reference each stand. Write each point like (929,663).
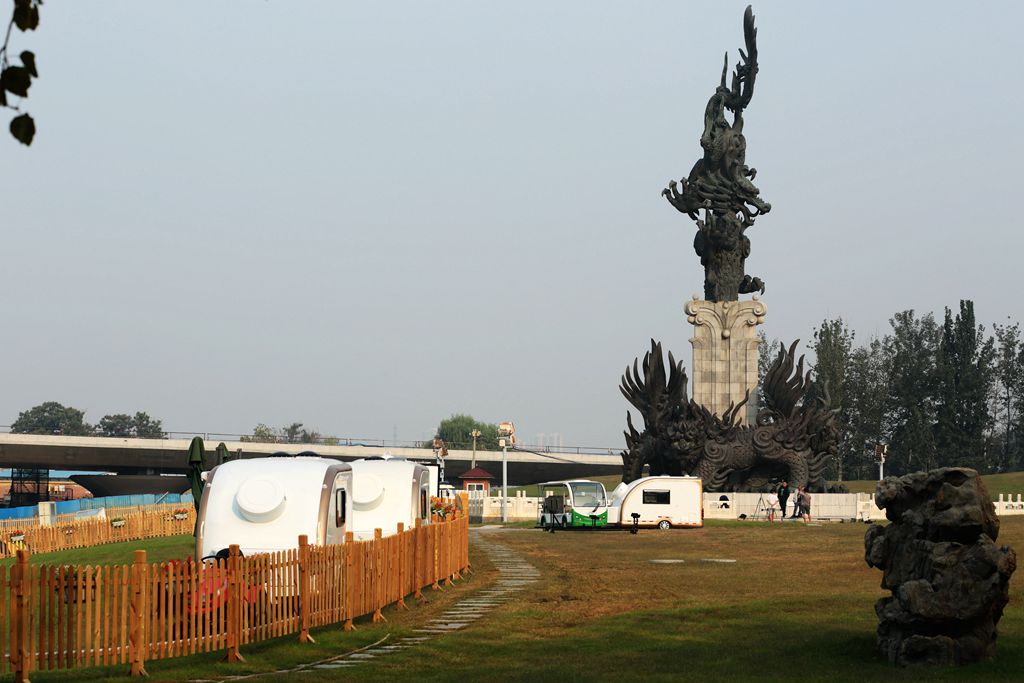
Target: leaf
(23,128)
(26,15)
(29,60)
(16,79)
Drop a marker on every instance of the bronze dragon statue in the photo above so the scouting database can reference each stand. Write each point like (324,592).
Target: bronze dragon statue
(791,440)
(721,184)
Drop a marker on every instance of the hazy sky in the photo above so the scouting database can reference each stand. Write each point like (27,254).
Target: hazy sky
(369,216)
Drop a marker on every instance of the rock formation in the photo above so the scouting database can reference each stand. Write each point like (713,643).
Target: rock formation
(949,580)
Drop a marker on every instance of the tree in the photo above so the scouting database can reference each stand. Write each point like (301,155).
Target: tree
(292,433)
(832,346)
(52,418)
(1008,396)
(909,415)
(964,376)
(146,427)
(15,79)
(141,426)
(115,425)
(865,400)
(456,431)
(767,351)
(261,433)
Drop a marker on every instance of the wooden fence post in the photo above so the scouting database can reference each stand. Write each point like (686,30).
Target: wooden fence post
(446,548)
(434,556)
(378,575)
(402,578)
(21,656)
(234,605)
(137,584)
(350,587)
(304,596)
(464,542)
(417,558)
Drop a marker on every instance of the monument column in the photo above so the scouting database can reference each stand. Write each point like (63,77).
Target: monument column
(725,353)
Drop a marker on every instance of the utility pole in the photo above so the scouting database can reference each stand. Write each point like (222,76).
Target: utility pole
(476,435)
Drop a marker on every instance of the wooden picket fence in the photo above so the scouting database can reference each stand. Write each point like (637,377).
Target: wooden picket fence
(64,617)
(84,533)
(26,523)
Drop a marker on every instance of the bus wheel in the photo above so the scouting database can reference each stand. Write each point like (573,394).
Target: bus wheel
(664,524)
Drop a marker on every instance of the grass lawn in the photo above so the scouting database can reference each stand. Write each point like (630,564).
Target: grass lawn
(796,605)
(1010,483)
(157,550)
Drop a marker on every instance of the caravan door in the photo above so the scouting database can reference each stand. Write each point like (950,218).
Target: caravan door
(337,512)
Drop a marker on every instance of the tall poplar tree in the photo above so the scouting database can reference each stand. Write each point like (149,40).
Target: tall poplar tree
(964,373)
(910,406)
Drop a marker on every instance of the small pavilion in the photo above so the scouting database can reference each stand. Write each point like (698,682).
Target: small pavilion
(476,479)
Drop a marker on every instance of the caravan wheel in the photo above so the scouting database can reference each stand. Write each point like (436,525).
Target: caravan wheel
(664,524)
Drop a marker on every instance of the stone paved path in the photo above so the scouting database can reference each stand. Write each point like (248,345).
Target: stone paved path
(515,573)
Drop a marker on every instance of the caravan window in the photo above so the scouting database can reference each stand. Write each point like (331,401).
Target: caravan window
(424,508)
(657,497)
(339,507)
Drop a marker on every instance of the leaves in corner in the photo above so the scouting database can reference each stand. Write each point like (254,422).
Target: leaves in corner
(29,60)
(23,128)
(26,14)
(16,80)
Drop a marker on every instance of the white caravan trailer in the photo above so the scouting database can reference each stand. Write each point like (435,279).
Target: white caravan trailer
(664,502)
(386,491)
(265,504)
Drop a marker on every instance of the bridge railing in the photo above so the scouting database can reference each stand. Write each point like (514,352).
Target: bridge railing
(364,441)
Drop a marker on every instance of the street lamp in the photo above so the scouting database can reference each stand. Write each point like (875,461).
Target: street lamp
(880,452)
(506,438)
(476,433)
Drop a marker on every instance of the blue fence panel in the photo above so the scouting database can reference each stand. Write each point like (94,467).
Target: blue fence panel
(18,513)
(65,507)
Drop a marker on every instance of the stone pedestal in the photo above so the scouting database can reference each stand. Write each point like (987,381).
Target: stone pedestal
(725,353)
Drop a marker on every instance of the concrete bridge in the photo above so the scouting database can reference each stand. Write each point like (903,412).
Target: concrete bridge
(168,456)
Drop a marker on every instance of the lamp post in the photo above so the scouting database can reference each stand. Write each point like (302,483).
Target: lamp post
(880,451)
(476,435)
(507,435)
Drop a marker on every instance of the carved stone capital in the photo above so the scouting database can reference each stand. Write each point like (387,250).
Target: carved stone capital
(725,352)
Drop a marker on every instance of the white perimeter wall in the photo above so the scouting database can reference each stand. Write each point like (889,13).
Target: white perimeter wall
(847,506)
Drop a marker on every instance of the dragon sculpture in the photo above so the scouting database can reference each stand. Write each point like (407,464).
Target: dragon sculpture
(721,183)
(791,439)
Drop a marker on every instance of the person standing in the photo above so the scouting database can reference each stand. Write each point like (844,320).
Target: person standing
(783,493)
(805,507)
(773,506)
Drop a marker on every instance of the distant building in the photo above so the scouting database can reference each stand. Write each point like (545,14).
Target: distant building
(476,479)
(57,490)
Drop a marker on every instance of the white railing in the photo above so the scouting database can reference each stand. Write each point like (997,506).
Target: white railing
(825,506)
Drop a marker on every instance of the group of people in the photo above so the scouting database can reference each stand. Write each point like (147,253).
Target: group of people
(778,499)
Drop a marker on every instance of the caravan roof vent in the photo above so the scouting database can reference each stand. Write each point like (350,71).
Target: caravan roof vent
(261,499)
(367,491)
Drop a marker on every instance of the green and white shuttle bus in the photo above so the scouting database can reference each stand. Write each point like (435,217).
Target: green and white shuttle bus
(573,503)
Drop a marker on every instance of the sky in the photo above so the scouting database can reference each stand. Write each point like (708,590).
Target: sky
(369,216)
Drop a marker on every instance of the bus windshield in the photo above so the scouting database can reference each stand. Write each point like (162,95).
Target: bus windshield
(587,493)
